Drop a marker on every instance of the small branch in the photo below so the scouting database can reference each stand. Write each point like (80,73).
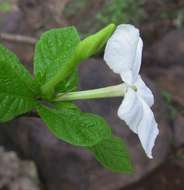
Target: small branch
(18,38)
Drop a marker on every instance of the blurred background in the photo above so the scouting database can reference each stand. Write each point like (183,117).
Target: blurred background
(33,159)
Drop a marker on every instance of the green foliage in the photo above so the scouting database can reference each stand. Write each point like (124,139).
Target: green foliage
(112,154)
(173,107)
(121,11)
(66,105)
(5,6)
(176,15)
(75,127)
(53,52)
(169,101)
(69,84)
(57,54)
(17,89)
(167,96)
(59,51)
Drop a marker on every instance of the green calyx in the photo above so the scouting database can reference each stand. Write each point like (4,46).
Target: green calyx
(94,43)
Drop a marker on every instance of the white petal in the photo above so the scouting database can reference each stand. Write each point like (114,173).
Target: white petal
(123,52)
(147,130)
(138,59)
(131,110)
(144,91)
(140,119)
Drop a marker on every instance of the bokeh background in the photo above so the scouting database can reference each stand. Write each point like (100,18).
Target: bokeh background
(33,159)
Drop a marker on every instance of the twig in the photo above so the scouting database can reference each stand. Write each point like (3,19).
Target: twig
(18,38)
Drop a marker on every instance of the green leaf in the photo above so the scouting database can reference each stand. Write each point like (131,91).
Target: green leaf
(66,105)
(17,89)
(69,84)
(53,52)
(75,127)
(74,53)
(112,154)
(5,6)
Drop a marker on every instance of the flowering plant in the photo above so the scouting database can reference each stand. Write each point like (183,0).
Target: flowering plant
(52,91)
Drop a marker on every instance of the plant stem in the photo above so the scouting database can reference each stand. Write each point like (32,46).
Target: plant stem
(107,92)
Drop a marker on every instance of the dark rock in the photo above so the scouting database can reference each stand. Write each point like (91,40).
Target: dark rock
(63,166)
(179,130)
(163,63)
(60,165)
(16,174)
(167,52)
(170,80)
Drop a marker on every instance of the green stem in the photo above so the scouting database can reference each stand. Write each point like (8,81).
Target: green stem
(107,92)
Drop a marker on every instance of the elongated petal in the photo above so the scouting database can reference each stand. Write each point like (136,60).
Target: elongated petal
(140,119)
(131,110)
(123,52)
(148,130)
(144,91)
(138,59)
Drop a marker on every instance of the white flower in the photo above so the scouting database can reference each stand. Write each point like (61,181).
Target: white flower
(123,54)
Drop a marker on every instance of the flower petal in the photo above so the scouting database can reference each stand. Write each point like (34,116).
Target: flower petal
(147,130)
(138,59)
(123,52)
(131,110)
(140,119)
(144,91)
